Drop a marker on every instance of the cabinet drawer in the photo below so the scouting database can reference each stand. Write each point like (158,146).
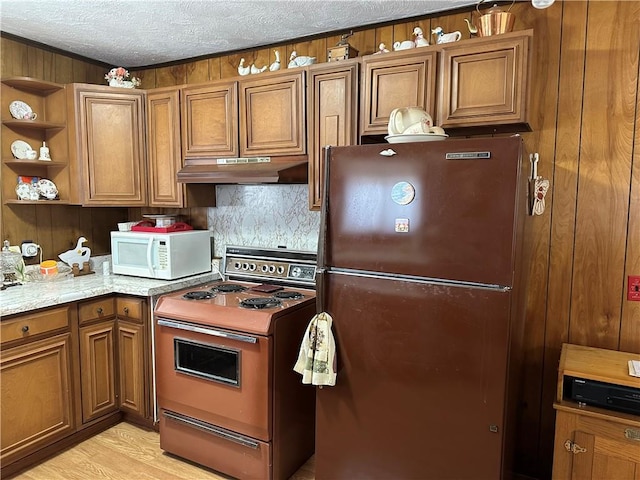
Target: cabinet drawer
(130,308)
(31,324)
(96,310)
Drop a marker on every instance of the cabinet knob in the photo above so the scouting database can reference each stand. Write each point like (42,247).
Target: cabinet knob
(574,447)
(99,310)
(25,329)
(126,310)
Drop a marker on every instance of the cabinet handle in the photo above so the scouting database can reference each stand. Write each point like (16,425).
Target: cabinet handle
(632,434)
(126,310)
(574,447)
(25,329)
(99,310)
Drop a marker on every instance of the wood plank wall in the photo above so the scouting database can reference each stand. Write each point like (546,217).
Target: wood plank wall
(585,119)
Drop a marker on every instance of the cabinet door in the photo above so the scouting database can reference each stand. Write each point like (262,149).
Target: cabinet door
(210,120)
(598,447)
(163,148)
(272,114)
(394,80)
(131,367)
(110,159)
(485,83)
(36,396)
(332,117)
(97,368)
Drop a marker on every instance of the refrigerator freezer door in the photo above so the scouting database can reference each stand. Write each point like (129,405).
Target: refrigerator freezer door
(418,213)
(420,392)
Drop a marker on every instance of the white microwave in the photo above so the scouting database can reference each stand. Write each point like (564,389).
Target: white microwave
(164,256)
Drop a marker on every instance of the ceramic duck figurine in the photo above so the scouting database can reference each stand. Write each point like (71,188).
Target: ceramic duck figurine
(242,70)
(78,255)
(276,64)
(382,48)
(255,69)
(302,61)
(420,41)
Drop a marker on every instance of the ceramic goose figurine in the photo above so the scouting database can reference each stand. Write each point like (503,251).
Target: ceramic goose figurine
(302,61)
(420,41)
(442,37)
(242,70)
(78,255)
(276,64)
(255,69)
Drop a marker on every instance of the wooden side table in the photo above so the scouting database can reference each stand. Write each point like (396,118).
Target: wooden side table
(593,442)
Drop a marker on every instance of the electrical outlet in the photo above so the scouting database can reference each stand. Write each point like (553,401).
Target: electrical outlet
(29,249)
(633,288)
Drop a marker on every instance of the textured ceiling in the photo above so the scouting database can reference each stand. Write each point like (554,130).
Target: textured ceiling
(134,33)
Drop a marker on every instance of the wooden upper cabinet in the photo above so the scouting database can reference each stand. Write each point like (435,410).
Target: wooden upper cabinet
(164,148)
(332,102)
(272,114)
(485,82)
(107,147)
(396,79)
(210,120)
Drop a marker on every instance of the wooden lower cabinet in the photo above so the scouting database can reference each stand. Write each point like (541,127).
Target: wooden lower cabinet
(592,445)
(36,381)
(593,442)
(98,370)
(134,358)
(37,396)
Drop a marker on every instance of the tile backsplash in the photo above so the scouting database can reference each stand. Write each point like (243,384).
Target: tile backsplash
(264,216)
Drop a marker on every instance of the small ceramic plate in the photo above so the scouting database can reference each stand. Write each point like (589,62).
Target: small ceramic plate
(415,137)
(27,191)
(47,189)
(19,149)
(19,109)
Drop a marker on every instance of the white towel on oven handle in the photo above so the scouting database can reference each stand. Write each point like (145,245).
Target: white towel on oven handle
(317,358)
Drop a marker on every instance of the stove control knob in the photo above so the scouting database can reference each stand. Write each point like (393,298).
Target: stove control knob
(265,268)
(245,266)
(280,270)
(272,268)
(252,266)
(237,265)
(296,271)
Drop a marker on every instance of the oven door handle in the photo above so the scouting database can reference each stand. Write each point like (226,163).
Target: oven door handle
(218,432)
(207,331)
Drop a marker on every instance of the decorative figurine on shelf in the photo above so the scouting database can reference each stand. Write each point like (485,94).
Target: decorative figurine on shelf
(300,61)
(442,37)
(342,50)
(382,48)
(420,41)
(119,77)
(255,69)
(276,64)
(242,70)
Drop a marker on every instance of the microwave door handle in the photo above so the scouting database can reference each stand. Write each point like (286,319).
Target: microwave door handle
(149,256)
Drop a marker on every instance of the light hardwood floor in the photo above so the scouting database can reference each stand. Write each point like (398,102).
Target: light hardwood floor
(126,452)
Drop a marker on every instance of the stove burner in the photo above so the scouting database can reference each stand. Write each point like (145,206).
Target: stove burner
(198,295)
(288,295)
(228,288)
(259,302)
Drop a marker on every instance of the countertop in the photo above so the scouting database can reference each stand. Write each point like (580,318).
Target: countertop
(34,295)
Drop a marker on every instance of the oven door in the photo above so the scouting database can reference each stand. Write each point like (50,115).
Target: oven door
(213,375)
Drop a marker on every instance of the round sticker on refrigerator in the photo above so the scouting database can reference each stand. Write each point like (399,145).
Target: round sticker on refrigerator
(403,193)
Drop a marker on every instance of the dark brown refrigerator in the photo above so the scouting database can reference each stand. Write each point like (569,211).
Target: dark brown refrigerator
(420,259)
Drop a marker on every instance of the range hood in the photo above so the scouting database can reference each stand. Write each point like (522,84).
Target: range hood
(249,170)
